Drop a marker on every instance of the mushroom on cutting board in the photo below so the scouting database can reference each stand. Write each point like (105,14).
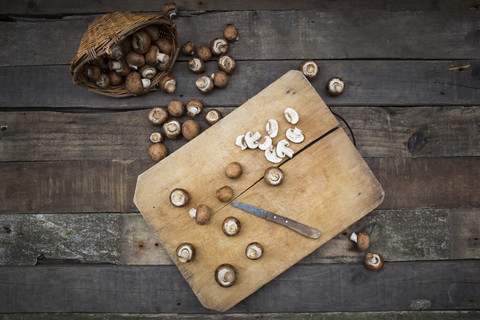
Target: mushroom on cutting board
(225,193)
(185,252)
(231,226)
(254,251)
(233,170)
(225,275)
(179,197)
(273,176)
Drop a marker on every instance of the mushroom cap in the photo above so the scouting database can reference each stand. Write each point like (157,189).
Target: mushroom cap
(230,33)
(204,53)
(168,83)
(335,86)
(273,176)
(164,45)
(219,46)
(135,59)
(141,42)
(133,83)
(196,65)
(147,71)
(156,137)
(176,108)
(172,129)
(115,78)
(212,116)
(194,107)
(374,261)
(227,64)
(157,151)
(157,115)
(363,241)
(151,55)
(185,252)
(103,81)
(170,10)
(179,197)
(225,194)
(203,214)
(190,129)
(205,84)
(93,72)
(225,275)
(220,79)
(153,32)
(309,68)
(233,170)
(231,226)
(188,48)
(254,251)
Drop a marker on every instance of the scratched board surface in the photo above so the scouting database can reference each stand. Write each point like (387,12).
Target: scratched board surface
(327,186)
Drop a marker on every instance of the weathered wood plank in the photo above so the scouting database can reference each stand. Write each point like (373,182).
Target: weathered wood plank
(399,286)
(379,132)
(55,7)
(270,35)
(391,315)
(126,239)
(108,186)
(372,82)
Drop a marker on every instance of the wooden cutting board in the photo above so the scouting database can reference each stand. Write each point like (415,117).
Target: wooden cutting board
(327,186)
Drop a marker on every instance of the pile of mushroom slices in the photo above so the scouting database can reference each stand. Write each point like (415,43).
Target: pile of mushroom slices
(274,154)
(134,62)
(225,62)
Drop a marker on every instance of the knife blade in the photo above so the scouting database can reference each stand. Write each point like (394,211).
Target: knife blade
(298,227)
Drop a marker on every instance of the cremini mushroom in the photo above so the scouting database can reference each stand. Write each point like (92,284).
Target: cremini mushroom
(274,176)
(147,71)
(133,83)
(219,46)
(374,261)
(153,32)
(156,137)
(309,68)
(335,86)
(194,107)
(103,81)
(135,60)
(212,117)
(227,64)
(176,108)
(141,42)
(264,143)
(190,129)
(254,251)
(271,126)
(179,197)
(154,56)
(291,115)
(362,239)
(251,139)
(115,78)
(172,129)
(196,65)
(93,72)
(230,33)
(225,275)
(157,115)
(240,141)
(231,226)
(188,48)
(283,149)
(170,10)
(233,170)
(203,214)
(185,252)
(205,84)
(164,45)
(272,156)
(295,135)
(157,151)
(220,79)
(121,67)
(225,193)
(116,52)
(168,83)
(204,53)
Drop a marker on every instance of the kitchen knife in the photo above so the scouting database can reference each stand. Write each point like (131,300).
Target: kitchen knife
(298,227)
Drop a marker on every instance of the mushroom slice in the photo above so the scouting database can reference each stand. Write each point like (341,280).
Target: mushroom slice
(264,143)
(272,128)
(240,141)
(295,135)
(185,252)
(225,275)
(251,139)
(254,251)
(283,149)
(271,155)
(291,115)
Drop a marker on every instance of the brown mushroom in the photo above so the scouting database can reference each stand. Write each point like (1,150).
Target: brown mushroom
(374,261)
(117,52)
(176,108)
(170,10)
(168,83)
(254,251)
(172,129)
(231,226)
(362,239)
(203,214)
(157,151)
(309,68)
(335,86)
(103,81)
(204,53)
(154,56)
(233,170)
(93,72)
(220,79)
(153,32)
(156,137)
(141,42)
(133,83)
(225,275)
(212,117)
(194,107)
(185,252)
(134,59)
(115,78)
(230,33)
(179,197)
(273,176)
(204,84)
(196,65)
(219,46)
(188,48)
(225,194)
(147,71)
(190,129)
(227,64)
(164,45)
(157,115)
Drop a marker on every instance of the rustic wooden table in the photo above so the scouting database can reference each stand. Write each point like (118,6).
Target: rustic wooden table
(72,243)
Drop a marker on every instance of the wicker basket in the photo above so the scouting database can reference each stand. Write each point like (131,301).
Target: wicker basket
(110,29)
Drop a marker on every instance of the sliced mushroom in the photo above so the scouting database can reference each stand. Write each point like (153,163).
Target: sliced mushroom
(233,170)
(179,197)
(254,251)
(295,135)
(156,137)
(274,176)
(157,152)
(204,53)
(194,107)
(168,83)
(157,115)
(203,214)
(309,68)
(190,129)
(264,143)
(283,149)
(291,115)
(185,252)
(230,33)
(172,129)
(219,46)
(227,64)
(176,108)
(141,42)
(272,128)
(225,275)
(225,194)
(188,48)
(240,141)
(252,139)
(212,117)
(272,156)
(335,86)
(362,239)
(205,84)
(170,10)
(231,226)
(196,65)
(374,261)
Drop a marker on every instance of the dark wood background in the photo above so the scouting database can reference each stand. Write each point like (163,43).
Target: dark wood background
(73,245)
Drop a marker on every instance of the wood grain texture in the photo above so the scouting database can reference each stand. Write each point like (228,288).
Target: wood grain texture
(379,132)
(126,239)
(407,286)
(268,35)
(369,83)
(56,7)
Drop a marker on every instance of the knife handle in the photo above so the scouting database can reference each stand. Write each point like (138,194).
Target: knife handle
(298,227)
